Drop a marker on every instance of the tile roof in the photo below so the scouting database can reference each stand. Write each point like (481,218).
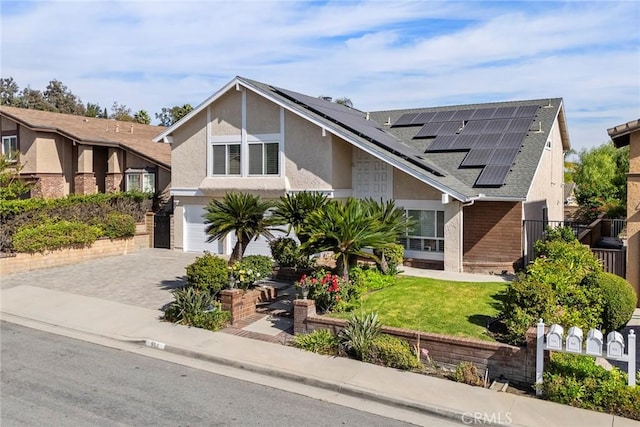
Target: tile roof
(134,137)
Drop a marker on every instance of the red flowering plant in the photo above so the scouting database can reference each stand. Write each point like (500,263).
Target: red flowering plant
(325,288)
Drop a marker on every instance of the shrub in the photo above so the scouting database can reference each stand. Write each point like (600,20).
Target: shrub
(387,350)
(54,235)
(193,307)
(260,263)
(394,254)
(286,253)
(118,225)
(319,341)
(467,372)
(209,273)
(359,333)
(618,299)
(369,279)
(577,381)
(327,289)
(244,274)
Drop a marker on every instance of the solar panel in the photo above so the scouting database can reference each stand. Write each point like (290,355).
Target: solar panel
(424,118)
(462,115)
(466,142)
(512,140)
(442,143)
(492,176)
(405,120)
(519,125)
(450,128)
(526,111)
(488,140)
(496,126)
(443,116)
(503,156)
(476,158)
(483,113)
(475,127)
(428,130)
(504,112)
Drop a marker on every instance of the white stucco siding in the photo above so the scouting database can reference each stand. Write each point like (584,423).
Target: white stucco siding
(189,152)
(226,114)
(547,186)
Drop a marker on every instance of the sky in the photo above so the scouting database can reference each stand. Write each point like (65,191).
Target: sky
(380,54)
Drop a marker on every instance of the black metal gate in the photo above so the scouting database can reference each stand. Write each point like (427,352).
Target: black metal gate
(162,231)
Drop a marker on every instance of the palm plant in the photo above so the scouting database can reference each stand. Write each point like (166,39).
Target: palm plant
(293,209)
(346,229)
(242,214)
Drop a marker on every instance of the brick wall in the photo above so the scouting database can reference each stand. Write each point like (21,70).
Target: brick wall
(48,187)
(492,237)
(100,249)
(242,304)
(85,183)
(113,182)
(517,364)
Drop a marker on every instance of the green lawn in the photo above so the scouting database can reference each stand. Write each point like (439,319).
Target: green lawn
(451,308)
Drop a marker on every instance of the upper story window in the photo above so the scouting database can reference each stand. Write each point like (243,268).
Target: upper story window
(10,147)
(263,158)
(226,159)
(140,180)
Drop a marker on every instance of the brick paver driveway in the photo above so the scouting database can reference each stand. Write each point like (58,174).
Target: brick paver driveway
(143,278)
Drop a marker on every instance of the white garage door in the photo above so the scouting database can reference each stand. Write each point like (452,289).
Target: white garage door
(260,246)
(195,237)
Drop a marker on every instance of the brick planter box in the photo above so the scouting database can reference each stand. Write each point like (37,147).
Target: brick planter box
(290,274)
(242,304)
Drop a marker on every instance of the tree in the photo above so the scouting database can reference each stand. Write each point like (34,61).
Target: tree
(169,116)
(346,229)
(142,117)
(11,186)
(241,213)
(8,92)
(121,112)
(61,100)
(293,209)
(32,99)
(344,101)
(601,179)
(95,110)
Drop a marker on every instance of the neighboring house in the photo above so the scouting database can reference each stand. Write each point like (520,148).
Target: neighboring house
(469,174)
(65,154)
(623,135)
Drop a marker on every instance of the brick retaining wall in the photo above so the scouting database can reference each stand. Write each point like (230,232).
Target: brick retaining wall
(517,364)
(242,304)
(100,249)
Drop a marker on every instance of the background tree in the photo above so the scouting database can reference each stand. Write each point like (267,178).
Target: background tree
(601,179)
(95,110)
(242,214)
(32,99)
(169,116)
(121,112)
(142,117)
(9,91)
(61,100)
(344,101)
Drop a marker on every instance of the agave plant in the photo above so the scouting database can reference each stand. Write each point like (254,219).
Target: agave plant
(360,331)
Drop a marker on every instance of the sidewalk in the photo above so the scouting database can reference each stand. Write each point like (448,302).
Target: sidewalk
(125,322)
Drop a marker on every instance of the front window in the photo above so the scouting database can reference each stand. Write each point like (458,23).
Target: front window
(263,158)
(427,234)
(141,180)
(10,147)
(226,159)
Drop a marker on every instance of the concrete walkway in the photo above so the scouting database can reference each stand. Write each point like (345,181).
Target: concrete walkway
(75,301)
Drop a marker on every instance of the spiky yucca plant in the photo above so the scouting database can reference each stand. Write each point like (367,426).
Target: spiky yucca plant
(360,331)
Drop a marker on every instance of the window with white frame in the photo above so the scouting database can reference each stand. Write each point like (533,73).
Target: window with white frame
(226,159)
(140,180)
(264,158)
(10,147)
(427,233)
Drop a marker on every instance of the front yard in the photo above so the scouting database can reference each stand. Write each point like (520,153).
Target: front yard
(430,305)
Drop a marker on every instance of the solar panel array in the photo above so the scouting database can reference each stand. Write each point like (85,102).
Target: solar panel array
(354,121)
(492,136)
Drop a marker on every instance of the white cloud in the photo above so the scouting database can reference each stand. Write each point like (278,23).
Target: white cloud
(152,54)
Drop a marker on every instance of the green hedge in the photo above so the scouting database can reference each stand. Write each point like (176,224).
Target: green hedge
(55,235)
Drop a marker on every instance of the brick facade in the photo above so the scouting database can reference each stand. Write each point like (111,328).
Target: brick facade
(48,186)
(113,182)
(85,183)
(517,364)
(492,237)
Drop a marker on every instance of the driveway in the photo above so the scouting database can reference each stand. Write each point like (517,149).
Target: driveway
(144,278)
